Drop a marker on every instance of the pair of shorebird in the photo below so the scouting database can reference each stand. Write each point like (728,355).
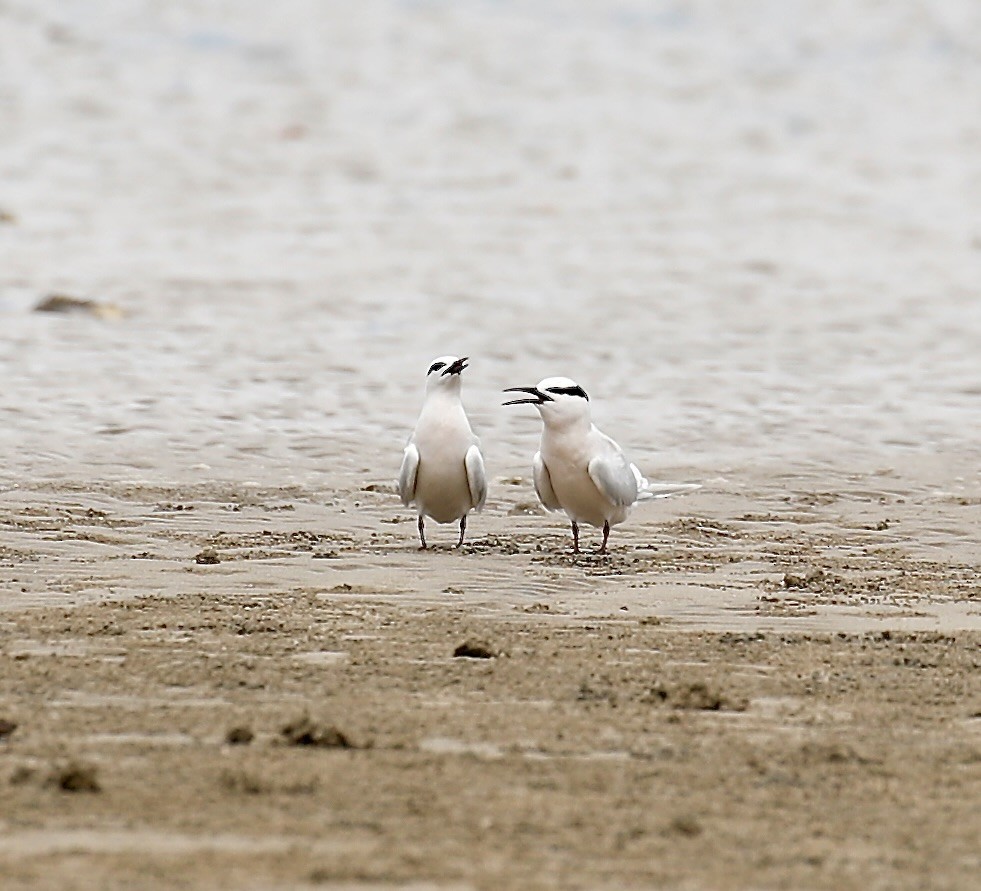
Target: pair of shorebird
(578,469)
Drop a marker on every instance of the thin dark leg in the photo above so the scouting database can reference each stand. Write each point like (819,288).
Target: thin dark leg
(422,533)
(575,537)
(606,535)
(463,529)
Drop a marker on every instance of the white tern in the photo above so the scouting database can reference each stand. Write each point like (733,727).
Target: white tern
(442,468)
(579,469)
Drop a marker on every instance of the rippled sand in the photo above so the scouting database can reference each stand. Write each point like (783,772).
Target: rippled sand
(750,231)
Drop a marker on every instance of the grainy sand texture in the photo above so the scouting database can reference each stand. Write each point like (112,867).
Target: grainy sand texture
(233,236)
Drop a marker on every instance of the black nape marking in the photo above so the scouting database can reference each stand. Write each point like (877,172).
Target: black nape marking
(436,367)
(570,391)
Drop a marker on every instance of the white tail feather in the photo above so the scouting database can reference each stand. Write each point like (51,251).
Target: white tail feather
(665,490)
(647,491)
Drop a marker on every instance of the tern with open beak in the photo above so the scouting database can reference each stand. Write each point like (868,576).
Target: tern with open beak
(442,469)
(578,469)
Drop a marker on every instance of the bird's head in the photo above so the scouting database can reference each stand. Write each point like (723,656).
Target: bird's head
(559,400)
(444,373)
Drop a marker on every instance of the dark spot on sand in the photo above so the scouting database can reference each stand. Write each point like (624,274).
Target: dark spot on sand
(239,736)
(694,695)
(685,825)
(384,488)
(474,650)
(830,752)
(305,732)
(207,557)
(76,777)
(171,507)
(63,303)
(6,728)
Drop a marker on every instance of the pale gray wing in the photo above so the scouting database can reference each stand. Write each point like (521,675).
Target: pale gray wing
(543,484)
(614,477)
(476,477)
(407,475)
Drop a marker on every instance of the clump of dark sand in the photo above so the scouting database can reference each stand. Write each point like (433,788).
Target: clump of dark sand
(685,824)
(695,695)
(75,777)
(306,732)
(812,578)
(63,303)
(474,650)
(239,736)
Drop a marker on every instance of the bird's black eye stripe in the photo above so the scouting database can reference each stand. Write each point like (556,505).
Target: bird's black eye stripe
(569,391)
(436,367)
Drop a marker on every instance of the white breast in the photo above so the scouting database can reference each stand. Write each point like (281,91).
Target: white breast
(567,458)
(442,437)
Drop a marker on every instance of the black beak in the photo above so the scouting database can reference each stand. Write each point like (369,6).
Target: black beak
(538,397)
(456,367)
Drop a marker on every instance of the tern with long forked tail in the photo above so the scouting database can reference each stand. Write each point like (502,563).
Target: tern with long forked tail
(578,468)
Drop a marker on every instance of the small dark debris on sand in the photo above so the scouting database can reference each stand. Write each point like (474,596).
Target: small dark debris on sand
(830,752)
(803,581)
(305,732)
(239,736)
(685,825)
(207,557)
(62,303)
(384,488)
(473,650)
(6,728)
(76,777)
(695,695)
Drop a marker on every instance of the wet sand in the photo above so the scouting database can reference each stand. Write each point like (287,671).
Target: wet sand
(742,694)
(751,237)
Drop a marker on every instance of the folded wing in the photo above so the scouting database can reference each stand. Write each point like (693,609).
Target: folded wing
(476,477)
(408,473)
(614,477)
(543,484)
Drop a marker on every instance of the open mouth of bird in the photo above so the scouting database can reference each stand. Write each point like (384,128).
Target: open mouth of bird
(535,396)
(456,367)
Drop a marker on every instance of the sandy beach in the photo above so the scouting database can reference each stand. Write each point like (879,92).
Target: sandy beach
(750,231)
